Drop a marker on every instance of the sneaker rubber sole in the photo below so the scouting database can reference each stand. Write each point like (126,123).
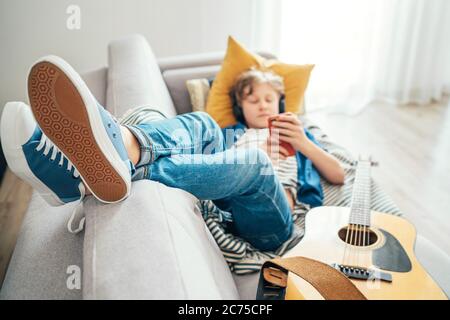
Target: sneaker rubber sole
(68,115)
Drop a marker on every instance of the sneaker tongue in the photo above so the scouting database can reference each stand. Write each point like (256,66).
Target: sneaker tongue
(36,136)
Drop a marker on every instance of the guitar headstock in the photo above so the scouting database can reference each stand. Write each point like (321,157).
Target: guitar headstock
(365,158)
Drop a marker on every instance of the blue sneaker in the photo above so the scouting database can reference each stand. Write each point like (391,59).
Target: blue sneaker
(32,157)
(81,128)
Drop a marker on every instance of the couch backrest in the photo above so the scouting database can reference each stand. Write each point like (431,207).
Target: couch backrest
(177,70)
(134,77)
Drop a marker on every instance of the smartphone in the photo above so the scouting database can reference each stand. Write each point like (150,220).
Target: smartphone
(284,144)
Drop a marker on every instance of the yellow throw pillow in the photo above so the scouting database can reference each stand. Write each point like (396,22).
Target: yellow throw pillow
(237,60)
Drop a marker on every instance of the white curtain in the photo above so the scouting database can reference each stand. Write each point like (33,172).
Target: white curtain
(397,51)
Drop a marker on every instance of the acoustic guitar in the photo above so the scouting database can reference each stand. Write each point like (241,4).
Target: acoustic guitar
(374,250)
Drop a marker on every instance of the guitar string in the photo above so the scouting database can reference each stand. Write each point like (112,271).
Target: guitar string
(360,195)
(357,226)
(362,248)
(353,226)
(367,207)
(348,248)
(360,180)
(359,246)
(364,245)
(355,245)
(358,217)
(352,232)
(349,244)
(346,244)
(361,199)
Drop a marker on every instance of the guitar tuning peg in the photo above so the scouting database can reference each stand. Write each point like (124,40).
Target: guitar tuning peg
(374,163)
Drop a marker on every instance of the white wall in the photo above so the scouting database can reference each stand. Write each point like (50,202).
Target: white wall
(30,29)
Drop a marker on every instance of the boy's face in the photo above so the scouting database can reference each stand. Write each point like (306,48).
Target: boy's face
(260,105)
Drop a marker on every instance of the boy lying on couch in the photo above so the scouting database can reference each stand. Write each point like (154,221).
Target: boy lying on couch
(73,147)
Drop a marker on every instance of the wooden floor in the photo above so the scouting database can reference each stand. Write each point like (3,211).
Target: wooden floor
(15,196)
(412,145)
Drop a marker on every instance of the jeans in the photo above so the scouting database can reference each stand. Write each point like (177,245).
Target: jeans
(189,152)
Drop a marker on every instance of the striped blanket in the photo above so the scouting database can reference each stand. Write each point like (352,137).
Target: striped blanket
(243,258)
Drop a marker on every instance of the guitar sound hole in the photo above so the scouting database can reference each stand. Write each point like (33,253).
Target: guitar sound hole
(358,235)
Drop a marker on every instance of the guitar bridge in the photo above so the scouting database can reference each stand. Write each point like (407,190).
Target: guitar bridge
(362,273)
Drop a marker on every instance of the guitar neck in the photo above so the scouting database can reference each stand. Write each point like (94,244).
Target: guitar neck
(360,204)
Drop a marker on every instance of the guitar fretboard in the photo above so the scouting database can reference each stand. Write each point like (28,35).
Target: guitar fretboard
(360,204)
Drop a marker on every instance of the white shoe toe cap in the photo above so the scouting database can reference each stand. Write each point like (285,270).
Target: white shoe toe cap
(17,125)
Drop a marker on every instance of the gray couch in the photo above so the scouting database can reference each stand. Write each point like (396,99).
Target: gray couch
(153,245)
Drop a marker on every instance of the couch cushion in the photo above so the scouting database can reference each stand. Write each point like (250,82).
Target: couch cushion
(44,254)
(176,82)
(198,93)
(153,245)
(434,260)
(247,285)
(134,78)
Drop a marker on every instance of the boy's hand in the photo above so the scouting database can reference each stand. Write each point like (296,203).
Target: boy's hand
(290,129)
(273,149)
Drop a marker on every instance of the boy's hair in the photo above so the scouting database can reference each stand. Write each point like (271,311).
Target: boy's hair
(244,83)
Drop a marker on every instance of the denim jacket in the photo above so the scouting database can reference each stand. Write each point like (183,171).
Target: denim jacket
(309,190)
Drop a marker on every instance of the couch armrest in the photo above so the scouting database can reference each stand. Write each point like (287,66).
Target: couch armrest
(134,78)
(96,82)
(153,245)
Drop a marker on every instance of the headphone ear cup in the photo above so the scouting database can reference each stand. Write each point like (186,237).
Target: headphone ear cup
(237,110)
(282,104)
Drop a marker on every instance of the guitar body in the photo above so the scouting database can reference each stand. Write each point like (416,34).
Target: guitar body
(390,251)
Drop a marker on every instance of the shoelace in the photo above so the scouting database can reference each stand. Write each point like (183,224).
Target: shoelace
(48,145)
(77,211)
